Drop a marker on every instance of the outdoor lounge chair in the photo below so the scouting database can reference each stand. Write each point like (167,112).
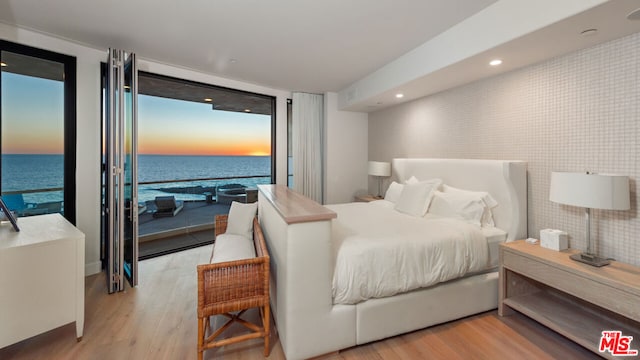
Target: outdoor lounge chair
(167,206)
(15,203)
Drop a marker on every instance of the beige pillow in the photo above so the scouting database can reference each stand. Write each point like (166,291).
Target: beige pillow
(231,247)
(240,220)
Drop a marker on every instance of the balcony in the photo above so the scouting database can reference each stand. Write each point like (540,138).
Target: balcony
(202,200)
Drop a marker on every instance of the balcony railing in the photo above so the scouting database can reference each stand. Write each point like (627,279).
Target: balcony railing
(34,201)
(197,189)
(199,197)
(200,201)
(50,200)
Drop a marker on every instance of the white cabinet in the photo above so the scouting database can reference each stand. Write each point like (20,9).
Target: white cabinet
(41,277)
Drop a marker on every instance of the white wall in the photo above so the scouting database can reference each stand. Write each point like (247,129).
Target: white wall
(574,113)
(346,152)
(89,123)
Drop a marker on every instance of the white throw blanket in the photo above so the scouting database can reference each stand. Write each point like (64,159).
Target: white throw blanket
(380,252)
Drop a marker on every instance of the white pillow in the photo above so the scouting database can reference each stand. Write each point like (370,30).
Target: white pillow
(415,198)
(457,206)
(240,221)
(231,247)
(412,180)
(487,199)
(393,192)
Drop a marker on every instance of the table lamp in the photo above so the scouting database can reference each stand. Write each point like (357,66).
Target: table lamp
(379,169)
(591,191)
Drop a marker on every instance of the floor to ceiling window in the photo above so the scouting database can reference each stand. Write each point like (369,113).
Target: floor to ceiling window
(200,148)
(37,130)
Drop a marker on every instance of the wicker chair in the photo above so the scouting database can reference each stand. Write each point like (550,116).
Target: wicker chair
(234,286)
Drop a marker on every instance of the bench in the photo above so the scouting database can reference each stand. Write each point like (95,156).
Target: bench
(234,286)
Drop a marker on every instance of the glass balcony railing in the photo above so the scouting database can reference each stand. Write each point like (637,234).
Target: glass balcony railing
(197,189)
(35,201)
(196,201)
(206,190)
(199,201)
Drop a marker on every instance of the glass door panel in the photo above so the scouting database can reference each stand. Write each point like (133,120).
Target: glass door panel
(120,241)
(130,171)
(110,213)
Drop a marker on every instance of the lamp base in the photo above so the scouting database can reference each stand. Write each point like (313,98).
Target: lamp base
(590,259)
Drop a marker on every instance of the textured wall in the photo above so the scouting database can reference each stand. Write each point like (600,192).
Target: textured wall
(573,113)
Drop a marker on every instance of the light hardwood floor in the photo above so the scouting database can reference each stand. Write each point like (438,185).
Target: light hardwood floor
(157,320)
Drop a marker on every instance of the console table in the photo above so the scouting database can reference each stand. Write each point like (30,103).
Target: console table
(576,300)
(41,277)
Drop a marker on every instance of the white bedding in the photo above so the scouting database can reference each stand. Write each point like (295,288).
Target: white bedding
(370,264)
(494,238)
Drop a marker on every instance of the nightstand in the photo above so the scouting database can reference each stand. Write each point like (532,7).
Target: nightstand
(574,299)
(367,198)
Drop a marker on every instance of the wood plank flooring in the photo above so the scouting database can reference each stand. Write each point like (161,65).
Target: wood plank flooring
(157,320)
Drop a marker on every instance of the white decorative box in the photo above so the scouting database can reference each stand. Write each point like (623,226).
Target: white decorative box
(554,239)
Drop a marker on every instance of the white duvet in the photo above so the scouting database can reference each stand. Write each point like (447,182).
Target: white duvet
(380,252)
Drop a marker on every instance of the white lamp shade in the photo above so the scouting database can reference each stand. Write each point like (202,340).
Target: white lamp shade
(378,168)
(595,191)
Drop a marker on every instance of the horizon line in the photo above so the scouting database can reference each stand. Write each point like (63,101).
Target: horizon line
(228,155)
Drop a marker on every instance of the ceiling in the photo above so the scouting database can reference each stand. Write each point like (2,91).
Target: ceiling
(294,45)
(341,46)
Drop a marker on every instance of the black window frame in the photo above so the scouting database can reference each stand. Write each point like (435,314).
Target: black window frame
(70,118)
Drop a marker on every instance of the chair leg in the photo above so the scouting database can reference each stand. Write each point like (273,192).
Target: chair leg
(200,338)
(266,324)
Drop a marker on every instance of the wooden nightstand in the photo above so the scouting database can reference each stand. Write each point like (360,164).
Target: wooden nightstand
(367,198)
(576,300)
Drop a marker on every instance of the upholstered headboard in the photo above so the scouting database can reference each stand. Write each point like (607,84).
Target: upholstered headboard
(505,180)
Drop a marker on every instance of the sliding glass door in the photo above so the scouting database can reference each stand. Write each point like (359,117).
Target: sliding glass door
(120,201)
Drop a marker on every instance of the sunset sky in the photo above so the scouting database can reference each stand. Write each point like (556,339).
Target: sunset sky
(187,128)
(32,116)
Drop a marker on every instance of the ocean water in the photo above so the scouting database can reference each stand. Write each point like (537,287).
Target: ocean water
(32,172)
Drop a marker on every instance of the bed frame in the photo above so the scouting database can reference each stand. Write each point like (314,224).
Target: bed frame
(298,236)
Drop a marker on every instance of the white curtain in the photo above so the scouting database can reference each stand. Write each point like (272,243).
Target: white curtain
(307,130)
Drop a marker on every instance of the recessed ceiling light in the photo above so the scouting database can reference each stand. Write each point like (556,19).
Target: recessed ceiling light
(495,62)
(589,32)
(208,100)
(3,64)
(233,61)
(247,110)
(399,96)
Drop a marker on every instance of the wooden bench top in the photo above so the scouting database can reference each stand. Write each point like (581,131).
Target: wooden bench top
(294,207)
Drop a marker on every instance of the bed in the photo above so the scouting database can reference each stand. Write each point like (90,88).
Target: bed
(309,320)
(379,251)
